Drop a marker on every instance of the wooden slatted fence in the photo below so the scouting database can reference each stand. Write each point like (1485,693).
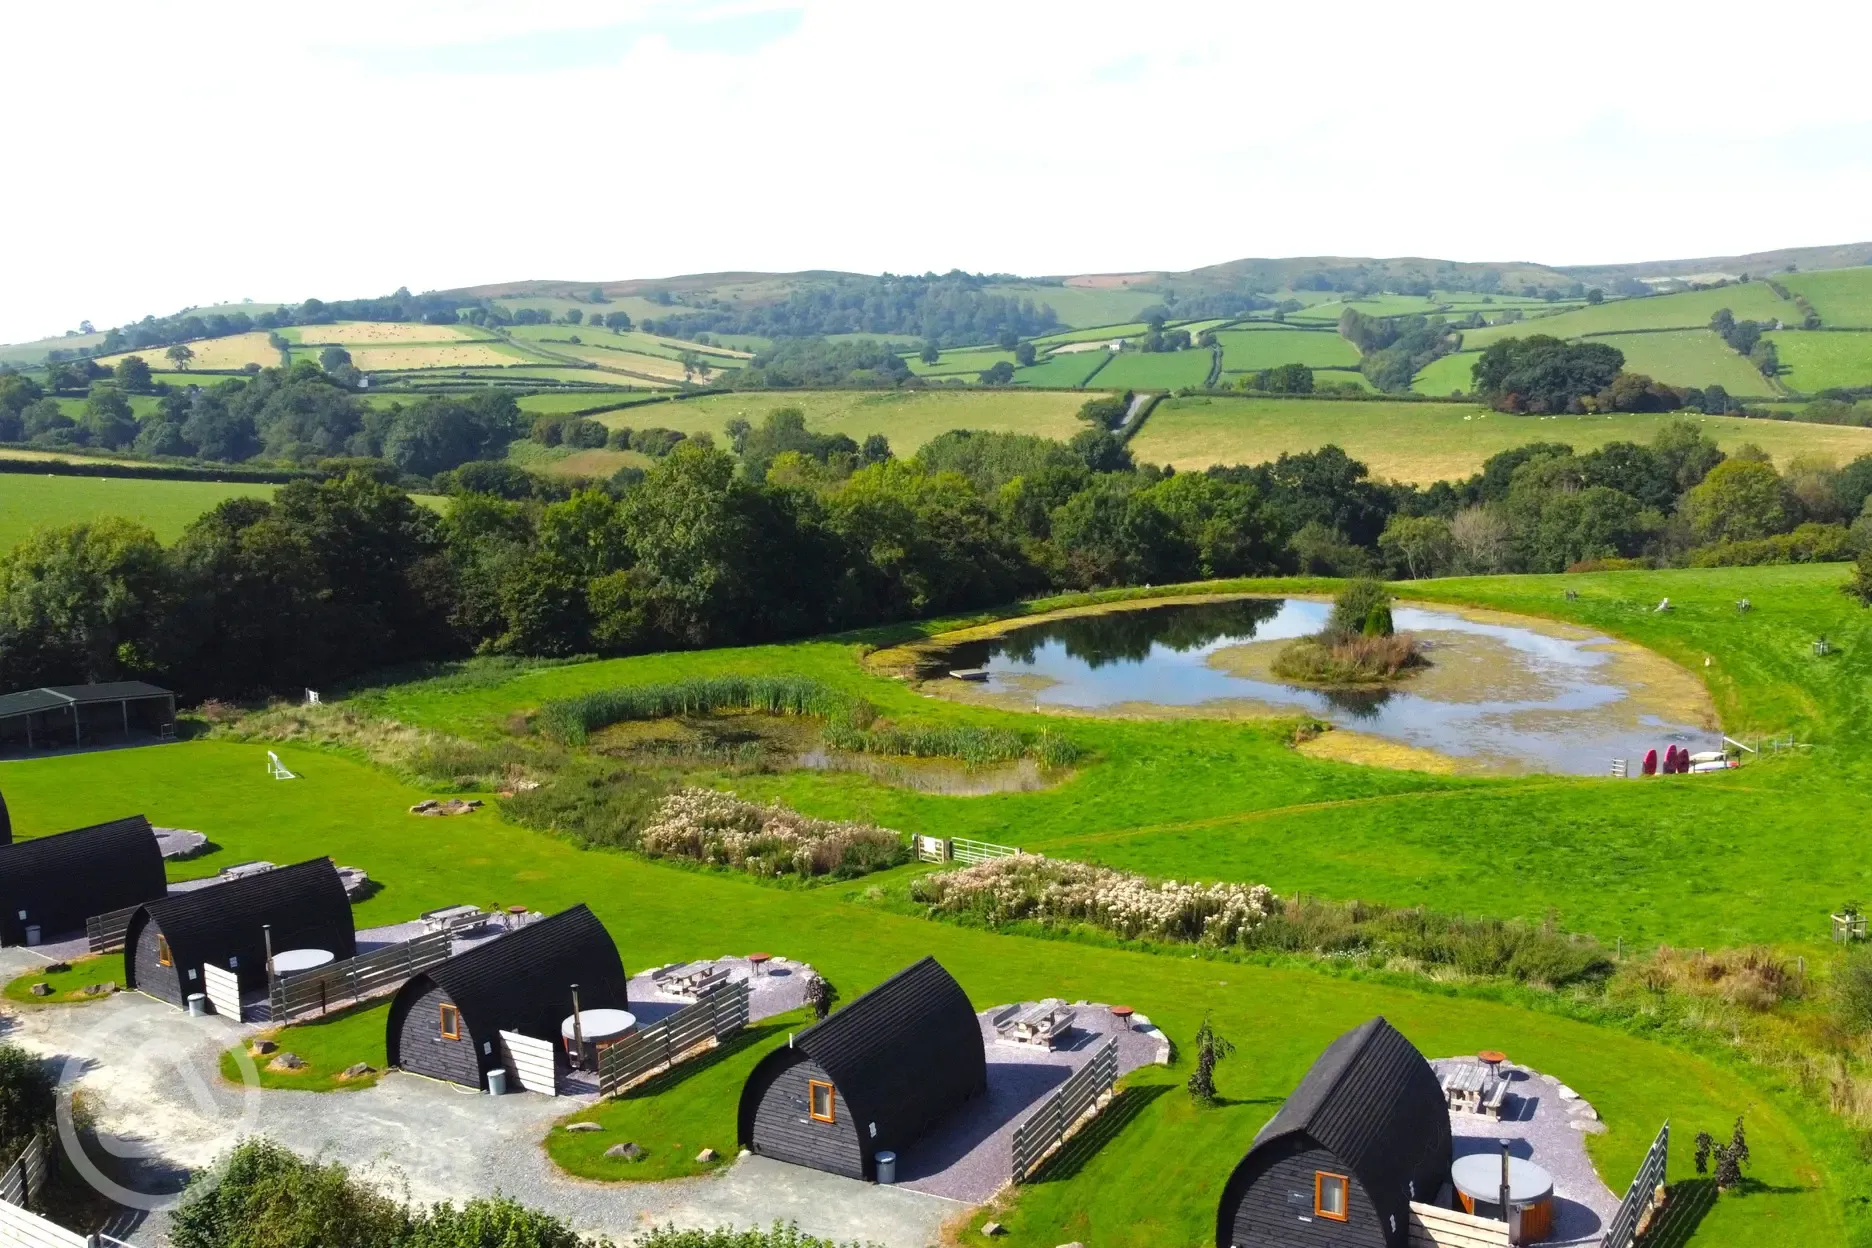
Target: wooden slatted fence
(105,932)
(534,1061)
(968,851)
(22,1181)
(22,1228)
(223,989)
(1078,1100)
(355,979)
(1431,1227)
(1634,1212)
(652,1050)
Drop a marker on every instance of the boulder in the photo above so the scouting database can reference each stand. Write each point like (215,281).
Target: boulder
(1582,1110)
(357,1070)
(260,1048)
(424,807)
(708,1155)
(41,990)
(993,1228)
(626,1151)
(287,1061)
(1591,1126)
(583,1126)
(57,968)
(104,989)
(1568,1094)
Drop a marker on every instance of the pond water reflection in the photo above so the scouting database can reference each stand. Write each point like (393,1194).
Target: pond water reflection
(1502,696)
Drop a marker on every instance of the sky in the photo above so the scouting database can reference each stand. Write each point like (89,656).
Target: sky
(166,155)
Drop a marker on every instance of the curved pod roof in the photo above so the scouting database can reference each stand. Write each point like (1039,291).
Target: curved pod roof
(305,905)
(61,880)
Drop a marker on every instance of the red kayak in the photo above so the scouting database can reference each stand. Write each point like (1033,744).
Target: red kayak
(1650,763)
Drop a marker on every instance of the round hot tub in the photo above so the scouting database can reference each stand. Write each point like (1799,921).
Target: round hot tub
(1478,1180)
(597,1028)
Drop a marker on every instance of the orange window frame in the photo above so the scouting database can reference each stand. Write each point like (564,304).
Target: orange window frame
(163,956)
(1320,1179)
(451,1023)
(813,1088)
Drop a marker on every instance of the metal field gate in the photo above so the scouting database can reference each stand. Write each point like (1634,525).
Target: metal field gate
(971,852)
(223,989)
(654,1049)
(1640,1197)
(534,1061)
(1046,1130)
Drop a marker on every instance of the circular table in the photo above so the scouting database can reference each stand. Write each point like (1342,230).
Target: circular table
(1492,1058)
(1477,1179)
(1123,1014)
(294,961)
(759,961)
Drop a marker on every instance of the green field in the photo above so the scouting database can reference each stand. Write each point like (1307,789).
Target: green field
(1690,309)
(1157,370)
(1425,442)
(1842,297)
(574,400)
(1820,360)
(965,363)
(909,418)
(1690,357)
(1102,333)
(1245,350)
(1446,375)
(1070,368)
(1079,306)
(141,405)
(167,507)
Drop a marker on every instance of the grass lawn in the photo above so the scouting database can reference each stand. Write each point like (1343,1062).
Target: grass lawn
(167,507)
(1447,374)
(909,418)
(660,914)
(1842,297)
(1425,442)
(1245,350)
(1690,309)
(676,1115)
(328,1046)
(1156,370)
(1817,361)
(104,968)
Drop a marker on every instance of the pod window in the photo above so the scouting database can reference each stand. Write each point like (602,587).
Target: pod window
(163,957)
(819,1101)
(451,1023)
(1329,1195)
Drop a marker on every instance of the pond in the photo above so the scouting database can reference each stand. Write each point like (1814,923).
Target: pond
(1502,693)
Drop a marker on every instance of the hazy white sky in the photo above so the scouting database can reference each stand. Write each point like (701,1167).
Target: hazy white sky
(169,154)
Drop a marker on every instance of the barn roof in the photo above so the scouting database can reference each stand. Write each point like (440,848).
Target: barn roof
(1373,1102)
(63,879)
(903,1054)
(523,981)
(303,897)
(58,697)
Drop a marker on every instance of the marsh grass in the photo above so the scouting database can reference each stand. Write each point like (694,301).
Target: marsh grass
(1349,660)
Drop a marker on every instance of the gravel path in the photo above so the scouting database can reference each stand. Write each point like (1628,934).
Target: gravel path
(1546,1123)
(149,1073)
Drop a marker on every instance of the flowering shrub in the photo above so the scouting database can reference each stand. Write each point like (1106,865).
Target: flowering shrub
(1027,886)
(711,826)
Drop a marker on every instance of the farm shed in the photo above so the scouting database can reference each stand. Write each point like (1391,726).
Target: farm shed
(169,941)
(55,883)
(1365,1133)
(876,1075)
(446,1022)
(58,716)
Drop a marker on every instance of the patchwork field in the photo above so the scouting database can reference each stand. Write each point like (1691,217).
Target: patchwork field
(1690,309)
(1842,297)
(1449,374)
(962,363)
(1820,360)
(1080,306)
(232,352)
(1245,350)
(166,507)
(1067,368)
(1425,442)
(1691,357)
(366,333)
(908,418)
(479,354)
(1103,333)
(1159,370)
(573,401)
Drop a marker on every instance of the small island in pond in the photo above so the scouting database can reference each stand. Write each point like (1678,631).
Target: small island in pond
(1358,646)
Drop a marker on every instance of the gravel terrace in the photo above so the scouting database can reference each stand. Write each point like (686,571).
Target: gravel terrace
(1547,1123)
(971,1156)
(149,1073)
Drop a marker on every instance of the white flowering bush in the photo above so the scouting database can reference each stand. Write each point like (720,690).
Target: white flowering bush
(1048,890)
(708,825)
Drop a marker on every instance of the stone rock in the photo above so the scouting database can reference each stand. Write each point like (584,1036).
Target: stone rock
(626,1150)
(452,806)
(57,968)
(1075,1244)
(583,1126)
(744,1153)
(708,1154)
(1591,1126)
(260,1048)
(993,1228)
(104,989)
(1583,1110)
(41,990)
(287,1061)
(1568,1094)
(357,1070)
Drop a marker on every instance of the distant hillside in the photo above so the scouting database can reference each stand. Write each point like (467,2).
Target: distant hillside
(1755,263)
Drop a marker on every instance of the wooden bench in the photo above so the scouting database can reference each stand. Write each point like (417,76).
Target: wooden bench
(1492,1103)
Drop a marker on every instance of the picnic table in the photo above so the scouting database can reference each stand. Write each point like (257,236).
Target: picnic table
(1040,1024)
(1471,1089)
(691,979)
(454,919)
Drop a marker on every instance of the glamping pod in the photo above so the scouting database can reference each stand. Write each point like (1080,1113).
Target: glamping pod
(169,941)
(6,823)
(876,1075)
(55,883)
(1365,1133)
(446,1022)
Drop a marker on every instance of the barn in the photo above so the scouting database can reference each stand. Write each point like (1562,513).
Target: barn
(54,883)
(1365,1133)
(225,925)
(875,1076)
(446,1022)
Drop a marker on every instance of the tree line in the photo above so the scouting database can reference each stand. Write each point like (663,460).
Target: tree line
(951,310)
